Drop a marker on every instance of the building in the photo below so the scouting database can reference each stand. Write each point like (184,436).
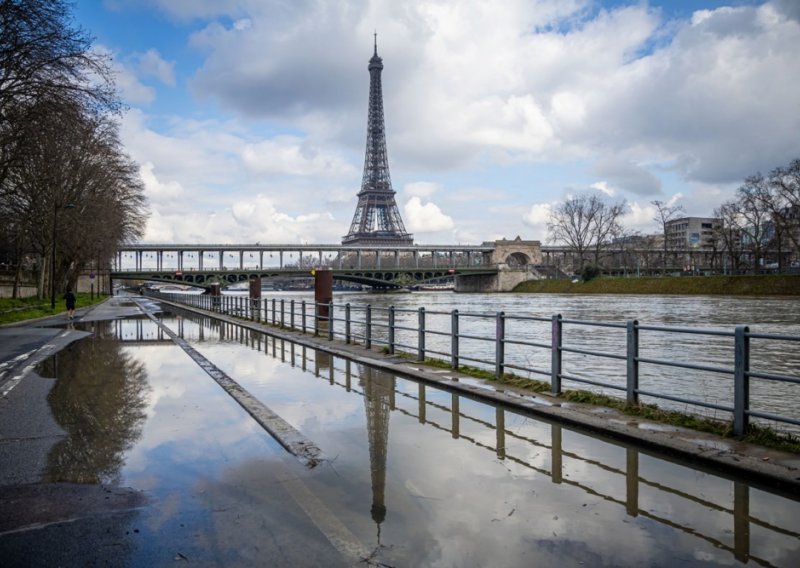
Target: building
(692,233)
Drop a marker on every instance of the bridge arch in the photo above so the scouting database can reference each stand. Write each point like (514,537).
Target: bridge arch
(517,253)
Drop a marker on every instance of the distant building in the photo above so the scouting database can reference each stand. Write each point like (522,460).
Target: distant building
(692,233)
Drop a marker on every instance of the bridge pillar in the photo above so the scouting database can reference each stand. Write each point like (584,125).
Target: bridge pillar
(323,295)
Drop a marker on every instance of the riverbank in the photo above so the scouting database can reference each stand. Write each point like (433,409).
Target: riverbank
(13,310)
(761,285)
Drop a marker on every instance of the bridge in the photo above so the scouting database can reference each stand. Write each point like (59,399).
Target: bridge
(491,266)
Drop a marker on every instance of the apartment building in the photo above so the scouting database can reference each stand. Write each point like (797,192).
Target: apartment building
(692,232)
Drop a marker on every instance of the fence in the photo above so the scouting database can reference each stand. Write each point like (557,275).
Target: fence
(724,376)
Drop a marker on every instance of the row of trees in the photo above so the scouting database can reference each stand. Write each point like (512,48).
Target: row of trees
(66,184)
(761,220)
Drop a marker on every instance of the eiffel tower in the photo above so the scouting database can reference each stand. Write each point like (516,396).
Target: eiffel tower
(377,220)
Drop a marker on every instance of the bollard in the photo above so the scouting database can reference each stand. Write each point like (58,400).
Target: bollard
(632,361)
(421,335)
(500,344)
(347,323)
(454,339)
(555,354)
(323,297)
(391,330)
(368,327)
(741,380)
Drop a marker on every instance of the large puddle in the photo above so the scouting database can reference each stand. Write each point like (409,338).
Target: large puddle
(415,476)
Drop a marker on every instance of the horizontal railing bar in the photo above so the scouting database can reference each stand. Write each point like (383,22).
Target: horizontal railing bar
(591,382)
(687,401)
(775,336)
(774,417)
(592,353)
(529,369)
(476,337)
(773,377)
(689,330)
(528,318)
(685,365)
(527,343)
(594,323)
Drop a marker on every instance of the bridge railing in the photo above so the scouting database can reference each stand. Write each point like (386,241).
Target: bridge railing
(737,375)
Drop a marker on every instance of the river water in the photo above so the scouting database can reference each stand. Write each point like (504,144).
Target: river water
(413,475)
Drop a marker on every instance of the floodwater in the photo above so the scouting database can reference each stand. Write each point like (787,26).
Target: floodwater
(413,475)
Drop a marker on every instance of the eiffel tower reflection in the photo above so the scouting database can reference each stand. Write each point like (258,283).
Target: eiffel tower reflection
(378,403)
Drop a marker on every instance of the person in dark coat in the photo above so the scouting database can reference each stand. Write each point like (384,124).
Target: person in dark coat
(69,298)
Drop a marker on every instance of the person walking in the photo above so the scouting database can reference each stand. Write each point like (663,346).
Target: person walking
(69,298)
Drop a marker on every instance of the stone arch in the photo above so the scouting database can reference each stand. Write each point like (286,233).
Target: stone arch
(518,259)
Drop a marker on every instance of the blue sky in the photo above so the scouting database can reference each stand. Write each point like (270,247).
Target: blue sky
(248,117)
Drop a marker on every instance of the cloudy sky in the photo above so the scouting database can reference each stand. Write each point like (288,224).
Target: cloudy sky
(248,117)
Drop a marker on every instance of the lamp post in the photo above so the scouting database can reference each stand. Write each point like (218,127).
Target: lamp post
(53,254)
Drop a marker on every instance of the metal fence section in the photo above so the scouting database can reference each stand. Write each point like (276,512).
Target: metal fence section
(735,375)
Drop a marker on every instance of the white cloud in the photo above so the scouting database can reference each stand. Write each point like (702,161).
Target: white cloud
(287,155)
(425,218)
(150,64)
(159,192)
(538,215)
(130,89)
(602,186)
(422,189)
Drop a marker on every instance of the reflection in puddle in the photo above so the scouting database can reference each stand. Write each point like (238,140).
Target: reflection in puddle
(99,400)
(419,475)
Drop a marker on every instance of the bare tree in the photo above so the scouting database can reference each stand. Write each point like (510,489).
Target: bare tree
(756,219)
(664,214)
(55,93)
(785,183)
(43,55)
(72,188)
(584,223)
(728,233)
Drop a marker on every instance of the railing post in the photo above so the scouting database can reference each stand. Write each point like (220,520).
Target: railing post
(555,355)
(632,360)
(330,321)
(347,322)
(282,313)
(741,380)
(454,339)
(391,330)
(273,311)
(500,345)
(421,336)
(368,327)
(303,307)
(291,314)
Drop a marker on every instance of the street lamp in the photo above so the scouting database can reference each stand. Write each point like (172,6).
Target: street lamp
(53,254)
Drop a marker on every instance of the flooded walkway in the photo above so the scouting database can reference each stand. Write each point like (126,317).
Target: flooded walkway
(410,474)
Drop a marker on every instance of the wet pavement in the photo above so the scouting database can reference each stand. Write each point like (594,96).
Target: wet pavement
(124,448)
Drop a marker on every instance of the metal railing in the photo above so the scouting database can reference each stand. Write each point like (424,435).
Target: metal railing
(723,374)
